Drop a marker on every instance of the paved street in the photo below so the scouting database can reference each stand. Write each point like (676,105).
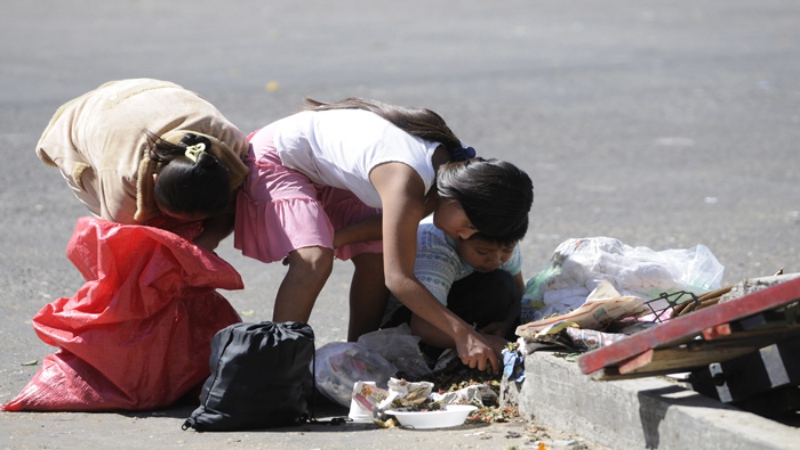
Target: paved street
(663,124)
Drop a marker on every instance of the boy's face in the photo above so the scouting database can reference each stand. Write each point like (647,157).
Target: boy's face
(483,256)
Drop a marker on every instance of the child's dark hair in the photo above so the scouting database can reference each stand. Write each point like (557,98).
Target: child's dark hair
(188,187)
(496,195)
(509,239)
(420,122)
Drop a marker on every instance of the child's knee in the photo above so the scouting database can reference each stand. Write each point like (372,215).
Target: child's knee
(316,261)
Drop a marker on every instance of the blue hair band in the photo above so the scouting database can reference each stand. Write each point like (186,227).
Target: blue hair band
(462,153)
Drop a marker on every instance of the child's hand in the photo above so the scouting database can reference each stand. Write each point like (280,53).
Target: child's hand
(475,353)
(498,343)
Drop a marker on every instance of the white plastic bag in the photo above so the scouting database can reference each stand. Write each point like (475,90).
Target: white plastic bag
(579,265)
(339,365)
(400,348)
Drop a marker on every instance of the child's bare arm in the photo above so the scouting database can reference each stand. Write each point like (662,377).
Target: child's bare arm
(368,229)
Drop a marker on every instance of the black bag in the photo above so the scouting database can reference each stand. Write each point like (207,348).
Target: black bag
(258,375)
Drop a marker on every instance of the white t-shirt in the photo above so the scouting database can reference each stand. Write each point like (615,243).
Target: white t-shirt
(340,147)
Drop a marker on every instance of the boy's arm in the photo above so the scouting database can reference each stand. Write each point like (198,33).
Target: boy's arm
(368,229)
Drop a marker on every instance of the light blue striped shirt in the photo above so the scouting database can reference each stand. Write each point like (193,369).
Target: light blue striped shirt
(438,264)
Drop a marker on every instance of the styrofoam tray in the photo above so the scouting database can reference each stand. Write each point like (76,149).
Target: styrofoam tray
(452,416)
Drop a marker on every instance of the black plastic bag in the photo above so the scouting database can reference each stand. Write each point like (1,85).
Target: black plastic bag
(259,372)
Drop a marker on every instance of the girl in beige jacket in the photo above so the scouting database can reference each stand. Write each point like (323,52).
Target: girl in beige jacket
(134,151)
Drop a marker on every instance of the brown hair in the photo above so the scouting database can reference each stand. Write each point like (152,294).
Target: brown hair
(420,122)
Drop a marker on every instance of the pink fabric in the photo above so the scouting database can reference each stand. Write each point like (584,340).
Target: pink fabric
(279,210)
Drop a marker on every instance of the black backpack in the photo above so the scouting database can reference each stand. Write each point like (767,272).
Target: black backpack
(259,374)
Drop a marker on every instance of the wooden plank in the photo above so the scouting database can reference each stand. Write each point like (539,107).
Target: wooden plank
(691,325)
(664,362)
(683,359)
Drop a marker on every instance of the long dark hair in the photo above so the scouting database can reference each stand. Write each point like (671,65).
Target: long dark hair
(420,122)
(188,187)
(496,195)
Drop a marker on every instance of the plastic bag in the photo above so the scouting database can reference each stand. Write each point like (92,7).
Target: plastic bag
(579,265)
(400,348)
(339,365)
(136,335)
(258,373)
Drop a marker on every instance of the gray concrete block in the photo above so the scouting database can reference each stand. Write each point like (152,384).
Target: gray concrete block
(646,413)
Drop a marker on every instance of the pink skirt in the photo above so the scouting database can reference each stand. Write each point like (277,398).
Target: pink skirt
(279,210)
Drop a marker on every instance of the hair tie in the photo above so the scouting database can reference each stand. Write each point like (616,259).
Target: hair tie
(193,151)
(462,153)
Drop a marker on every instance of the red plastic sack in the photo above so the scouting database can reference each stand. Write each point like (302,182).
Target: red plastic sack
(137,335)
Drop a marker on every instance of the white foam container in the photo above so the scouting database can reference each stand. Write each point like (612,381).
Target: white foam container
(453,416)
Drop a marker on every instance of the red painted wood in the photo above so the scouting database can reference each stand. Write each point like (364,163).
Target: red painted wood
(717,331)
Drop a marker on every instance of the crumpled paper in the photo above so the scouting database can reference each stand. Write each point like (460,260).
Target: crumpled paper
(476,394)
(603,305)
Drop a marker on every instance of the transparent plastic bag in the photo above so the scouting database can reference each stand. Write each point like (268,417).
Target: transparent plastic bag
(339,365)
(400,348)
(578,266)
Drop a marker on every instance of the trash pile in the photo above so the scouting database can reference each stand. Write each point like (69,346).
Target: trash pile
(579,266)
(592,293)
(595,291)
(372,377)
(628,312)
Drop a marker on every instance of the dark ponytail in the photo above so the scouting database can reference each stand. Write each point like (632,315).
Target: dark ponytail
(188,187)
(496,195)
(420,122)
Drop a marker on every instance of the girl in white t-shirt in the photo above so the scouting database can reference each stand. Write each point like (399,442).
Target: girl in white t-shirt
(335,179)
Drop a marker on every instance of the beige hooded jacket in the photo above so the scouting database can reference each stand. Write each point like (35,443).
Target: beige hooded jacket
(98,142)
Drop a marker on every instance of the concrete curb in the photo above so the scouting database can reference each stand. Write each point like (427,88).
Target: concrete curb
(643,413)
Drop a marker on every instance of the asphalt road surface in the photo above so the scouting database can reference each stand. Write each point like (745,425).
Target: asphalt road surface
(661,124)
